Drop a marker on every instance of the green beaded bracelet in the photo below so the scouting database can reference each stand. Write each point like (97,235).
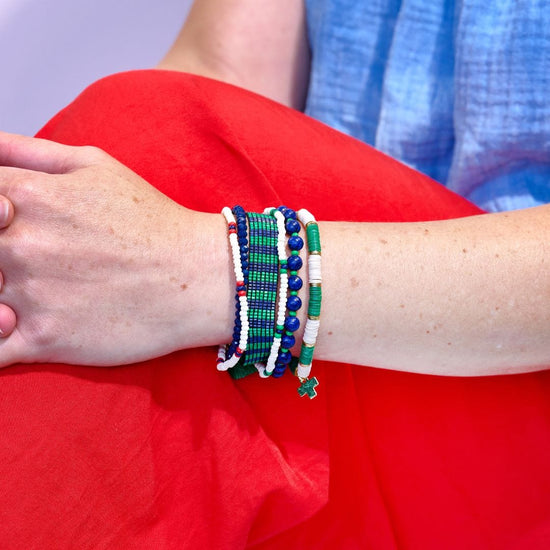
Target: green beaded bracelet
(311,330)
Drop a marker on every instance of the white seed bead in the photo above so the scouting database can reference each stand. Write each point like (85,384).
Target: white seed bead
(261,370)
(230,363)
(282,302)
(270,365)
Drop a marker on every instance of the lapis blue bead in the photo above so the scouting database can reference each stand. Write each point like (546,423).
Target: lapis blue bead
(295,242)
(292,226)
(293,303)
(294,263)
(284,357)
(292,324)
(288,341)
(295,282)
(289,213)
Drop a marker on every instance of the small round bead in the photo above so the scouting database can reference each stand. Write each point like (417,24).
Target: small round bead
(288,341)
(292,226)
(287,212)
(295,283)
(292,324)
(295,242)
(295,263)
(294,303)
(284,357)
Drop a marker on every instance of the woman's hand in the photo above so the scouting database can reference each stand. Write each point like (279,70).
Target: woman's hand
(98,266)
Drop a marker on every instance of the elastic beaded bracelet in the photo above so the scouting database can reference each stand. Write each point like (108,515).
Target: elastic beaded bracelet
(242,327)
(262,286)
(267,369)
(294,263)
(240,217)
(311,330)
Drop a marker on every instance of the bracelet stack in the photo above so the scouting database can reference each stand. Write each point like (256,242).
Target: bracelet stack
(265,249)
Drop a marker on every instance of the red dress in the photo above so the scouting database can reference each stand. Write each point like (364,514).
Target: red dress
(173,454)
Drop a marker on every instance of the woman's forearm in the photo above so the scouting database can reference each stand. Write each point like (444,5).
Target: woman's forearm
(463,297)
(260,45)
(467,296)
(458,297)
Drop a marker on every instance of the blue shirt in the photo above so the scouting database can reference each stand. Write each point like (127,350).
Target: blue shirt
(458,89)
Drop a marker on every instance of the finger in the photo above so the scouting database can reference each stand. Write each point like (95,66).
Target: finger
(8,320)
(38,154)
(6,216)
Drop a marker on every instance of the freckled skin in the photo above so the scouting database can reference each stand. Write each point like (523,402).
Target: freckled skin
(455,292)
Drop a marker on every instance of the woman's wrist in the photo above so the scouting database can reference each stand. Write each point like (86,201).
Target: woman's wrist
(204,291)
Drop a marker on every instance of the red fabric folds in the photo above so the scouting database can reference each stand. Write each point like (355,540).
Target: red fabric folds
(172,454)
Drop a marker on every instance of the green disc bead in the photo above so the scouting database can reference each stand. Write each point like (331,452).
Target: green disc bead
(313,238)
(306,354)
(315,297)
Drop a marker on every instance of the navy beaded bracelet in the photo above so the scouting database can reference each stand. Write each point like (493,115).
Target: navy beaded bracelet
(294,303)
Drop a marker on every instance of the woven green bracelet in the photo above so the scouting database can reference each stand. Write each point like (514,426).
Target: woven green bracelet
(263,276)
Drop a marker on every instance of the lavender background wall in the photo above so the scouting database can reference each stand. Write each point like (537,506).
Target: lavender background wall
(51,49)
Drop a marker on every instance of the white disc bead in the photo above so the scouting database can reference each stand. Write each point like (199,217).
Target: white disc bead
(314,268)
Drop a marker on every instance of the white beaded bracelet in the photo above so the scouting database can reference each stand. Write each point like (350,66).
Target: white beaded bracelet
(223,363)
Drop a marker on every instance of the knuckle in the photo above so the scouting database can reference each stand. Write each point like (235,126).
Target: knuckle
(91,153)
